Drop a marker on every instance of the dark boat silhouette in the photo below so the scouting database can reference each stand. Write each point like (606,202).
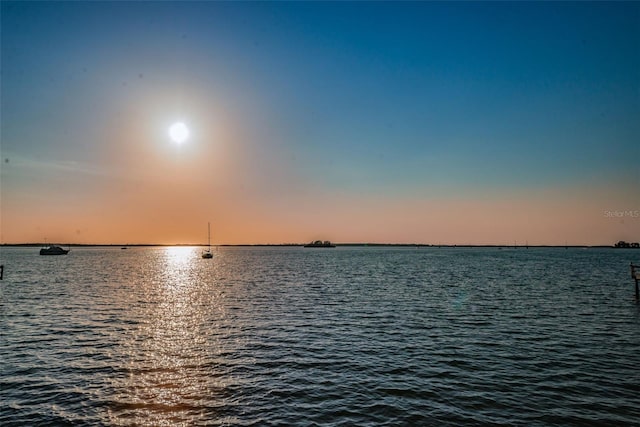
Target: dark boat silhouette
(207,254)
(54,250)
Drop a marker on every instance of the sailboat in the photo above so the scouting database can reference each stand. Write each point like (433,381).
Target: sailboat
(207,253)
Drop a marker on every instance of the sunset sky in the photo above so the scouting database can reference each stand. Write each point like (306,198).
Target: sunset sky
(451,123)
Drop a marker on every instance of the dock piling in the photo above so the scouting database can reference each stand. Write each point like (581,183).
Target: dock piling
(636,277)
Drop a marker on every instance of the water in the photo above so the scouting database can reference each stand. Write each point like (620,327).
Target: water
(330,337)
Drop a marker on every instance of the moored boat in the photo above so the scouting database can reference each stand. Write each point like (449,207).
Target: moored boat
(207,254)
(54,250)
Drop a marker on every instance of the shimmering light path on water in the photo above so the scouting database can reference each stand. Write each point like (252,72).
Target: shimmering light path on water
(332,337)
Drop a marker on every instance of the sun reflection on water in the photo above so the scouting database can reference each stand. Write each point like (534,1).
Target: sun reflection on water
(169,376)
(179,254)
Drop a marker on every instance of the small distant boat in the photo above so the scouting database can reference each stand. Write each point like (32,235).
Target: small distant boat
(54,250)
(207,254)
(320,244)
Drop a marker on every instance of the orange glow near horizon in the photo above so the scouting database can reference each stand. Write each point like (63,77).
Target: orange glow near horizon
(179,216)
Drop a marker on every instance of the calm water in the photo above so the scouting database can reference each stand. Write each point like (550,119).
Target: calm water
(330,337)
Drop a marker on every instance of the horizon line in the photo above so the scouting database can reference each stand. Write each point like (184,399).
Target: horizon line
(346,244)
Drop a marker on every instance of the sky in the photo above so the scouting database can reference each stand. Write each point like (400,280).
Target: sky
(386,122)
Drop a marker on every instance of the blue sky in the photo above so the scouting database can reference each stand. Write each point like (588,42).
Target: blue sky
(385,99)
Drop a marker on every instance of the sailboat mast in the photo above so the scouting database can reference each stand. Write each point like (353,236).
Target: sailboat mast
(207,254)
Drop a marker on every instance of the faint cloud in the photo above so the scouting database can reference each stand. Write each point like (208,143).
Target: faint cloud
(29,165)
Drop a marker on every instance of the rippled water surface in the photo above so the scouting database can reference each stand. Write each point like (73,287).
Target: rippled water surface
(331,337)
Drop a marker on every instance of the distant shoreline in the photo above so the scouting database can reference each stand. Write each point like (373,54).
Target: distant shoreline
(400,245)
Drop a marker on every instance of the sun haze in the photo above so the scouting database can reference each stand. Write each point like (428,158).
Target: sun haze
(411,122)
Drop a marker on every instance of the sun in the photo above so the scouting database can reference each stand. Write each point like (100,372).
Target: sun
(179,132)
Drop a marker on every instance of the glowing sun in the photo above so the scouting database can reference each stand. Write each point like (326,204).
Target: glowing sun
(179,132)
